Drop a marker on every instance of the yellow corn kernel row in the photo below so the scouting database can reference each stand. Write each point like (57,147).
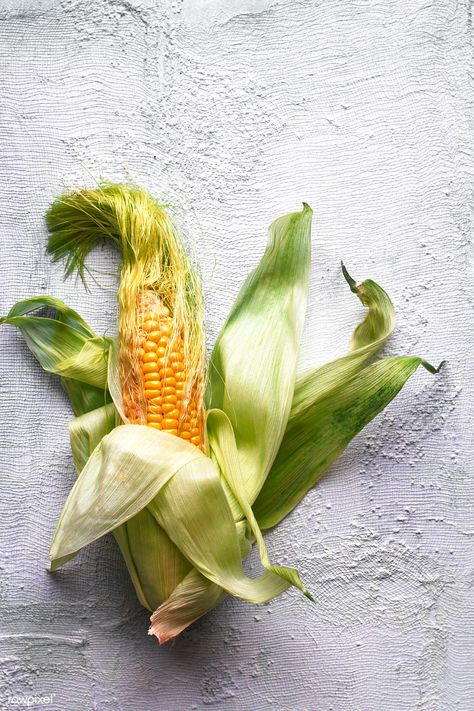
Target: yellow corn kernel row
(163,381)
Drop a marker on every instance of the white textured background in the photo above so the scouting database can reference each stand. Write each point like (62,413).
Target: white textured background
(235,111)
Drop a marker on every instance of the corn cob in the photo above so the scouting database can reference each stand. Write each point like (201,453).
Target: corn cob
(159,393)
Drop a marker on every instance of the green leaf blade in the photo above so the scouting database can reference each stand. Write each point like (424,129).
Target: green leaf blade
(367,339)
(121,477)
(253,365)
(222,443)
(316,436)
(64,345)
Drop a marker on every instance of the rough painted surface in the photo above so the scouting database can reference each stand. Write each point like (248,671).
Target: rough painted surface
(235,111)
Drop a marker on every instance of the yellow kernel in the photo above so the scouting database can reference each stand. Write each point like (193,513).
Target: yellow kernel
(166,372)
(156,425)
(169,382)
(160,351)
(150,325)
(166,328)
(152,394)
(179,376)
(152,384)
(152,417)
(196,440)
(185,435)
(163,340)
(149,346)
(149,357)
(168,422)
(186,427)
(168,391)
(141,352)
(194,432)
(170,398)
(154,336)
(168,407)
(172,431)
(150,367)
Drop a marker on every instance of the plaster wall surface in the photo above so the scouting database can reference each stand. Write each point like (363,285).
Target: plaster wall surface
(235,112)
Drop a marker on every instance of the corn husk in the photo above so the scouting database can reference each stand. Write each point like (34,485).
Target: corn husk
(67,346)
(253,365)
(185,519)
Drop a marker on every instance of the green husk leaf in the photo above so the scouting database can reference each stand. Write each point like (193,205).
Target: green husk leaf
(222,443)
(135,467)
(159,563)
(121,537)
(367,339)
(123,474)
(85,433)
(191,599)
(194,511)
(253,365)
(63,312)
(88,430)
(84,397)
(63,345)
(317,435)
